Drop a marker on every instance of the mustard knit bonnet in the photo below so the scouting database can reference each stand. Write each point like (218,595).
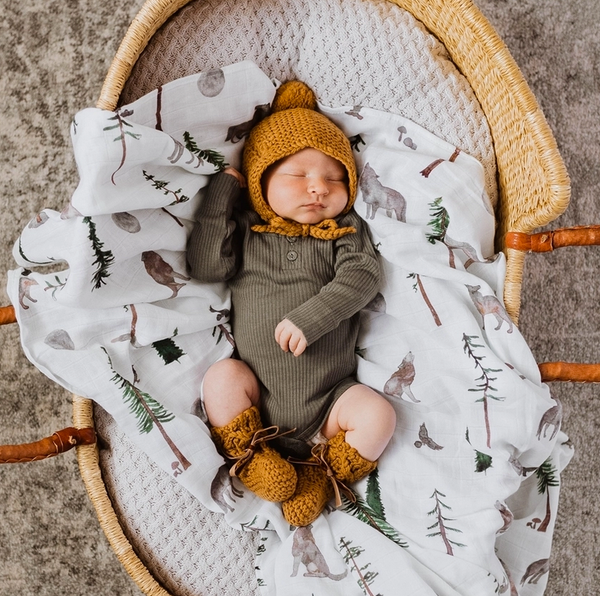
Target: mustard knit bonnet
(293,125)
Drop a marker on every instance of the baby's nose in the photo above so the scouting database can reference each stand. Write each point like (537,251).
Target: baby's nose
(318,186)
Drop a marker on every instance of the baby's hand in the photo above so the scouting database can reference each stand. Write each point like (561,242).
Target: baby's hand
(233,172)
(290,338)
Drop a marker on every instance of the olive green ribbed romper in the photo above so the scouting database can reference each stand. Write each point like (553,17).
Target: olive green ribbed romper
(319,285)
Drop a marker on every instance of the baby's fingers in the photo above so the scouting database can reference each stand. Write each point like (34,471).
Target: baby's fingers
(290,338)
(282,336)
(297,345)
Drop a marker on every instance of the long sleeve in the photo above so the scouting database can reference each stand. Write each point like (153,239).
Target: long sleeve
(356,282)
(211,250)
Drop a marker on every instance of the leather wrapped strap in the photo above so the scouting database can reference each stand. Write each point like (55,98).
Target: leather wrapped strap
(7,315)
(571,372)
(548,241)
(59,442)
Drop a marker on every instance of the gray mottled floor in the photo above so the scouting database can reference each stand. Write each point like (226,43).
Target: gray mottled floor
(53,57)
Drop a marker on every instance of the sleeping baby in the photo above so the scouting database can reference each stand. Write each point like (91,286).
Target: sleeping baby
(300,265)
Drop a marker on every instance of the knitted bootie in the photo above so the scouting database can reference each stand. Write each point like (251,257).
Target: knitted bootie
(334,461)
(259,466)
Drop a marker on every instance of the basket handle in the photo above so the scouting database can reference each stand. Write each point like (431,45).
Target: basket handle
(547,242)
(7,315)
(59,442)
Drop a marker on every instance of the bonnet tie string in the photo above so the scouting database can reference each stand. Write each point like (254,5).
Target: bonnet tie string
(328,229)
(262,435)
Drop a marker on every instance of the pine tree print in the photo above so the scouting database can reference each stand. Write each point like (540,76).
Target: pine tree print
(149,413)
(418,285)
(440,525)
(485,380)
(439,222)
(483,461)
(351,554)
(374,494)
(212,157)
(372,511)
(104,258)
(161,185)
(168,350)
(121,124)
(439,226)
(547,477)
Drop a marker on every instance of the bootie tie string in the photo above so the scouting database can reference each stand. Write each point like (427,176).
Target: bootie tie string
(261,436)
(318,453)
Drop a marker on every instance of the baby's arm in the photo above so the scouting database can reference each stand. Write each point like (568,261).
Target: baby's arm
(357,280)
(211,251)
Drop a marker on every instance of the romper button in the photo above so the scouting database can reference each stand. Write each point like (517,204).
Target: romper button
(292,255)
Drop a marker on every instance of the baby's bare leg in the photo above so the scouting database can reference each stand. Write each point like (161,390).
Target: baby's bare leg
(368,419)
(230,388)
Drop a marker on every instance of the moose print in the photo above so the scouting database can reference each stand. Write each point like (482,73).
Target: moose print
(25,285)
(535,571)
(306,551)
(222,486)
(376,196)
(237,132)
(507,516)
(552,417)
(489,305)
(468,251)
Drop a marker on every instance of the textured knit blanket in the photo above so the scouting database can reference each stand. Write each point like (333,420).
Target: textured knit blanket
(464,499)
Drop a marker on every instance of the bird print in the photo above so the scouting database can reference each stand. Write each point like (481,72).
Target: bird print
(425,439)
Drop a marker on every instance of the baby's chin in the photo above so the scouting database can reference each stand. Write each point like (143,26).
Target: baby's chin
(313,217)
(310,220)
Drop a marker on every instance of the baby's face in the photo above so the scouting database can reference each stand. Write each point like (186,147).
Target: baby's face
(306,187)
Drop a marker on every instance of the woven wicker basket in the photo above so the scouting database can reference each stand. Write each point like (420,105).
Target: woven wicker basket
(533,182)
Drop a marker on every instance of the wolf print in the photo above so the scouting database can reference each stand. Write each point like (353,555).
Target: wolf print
(400,381)
(306,551)
(376,196)
(489,305)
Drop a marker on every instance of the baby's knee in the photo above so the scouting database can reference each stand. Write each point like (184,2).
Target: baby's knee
(362,407)
(383,415)
(228,374)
